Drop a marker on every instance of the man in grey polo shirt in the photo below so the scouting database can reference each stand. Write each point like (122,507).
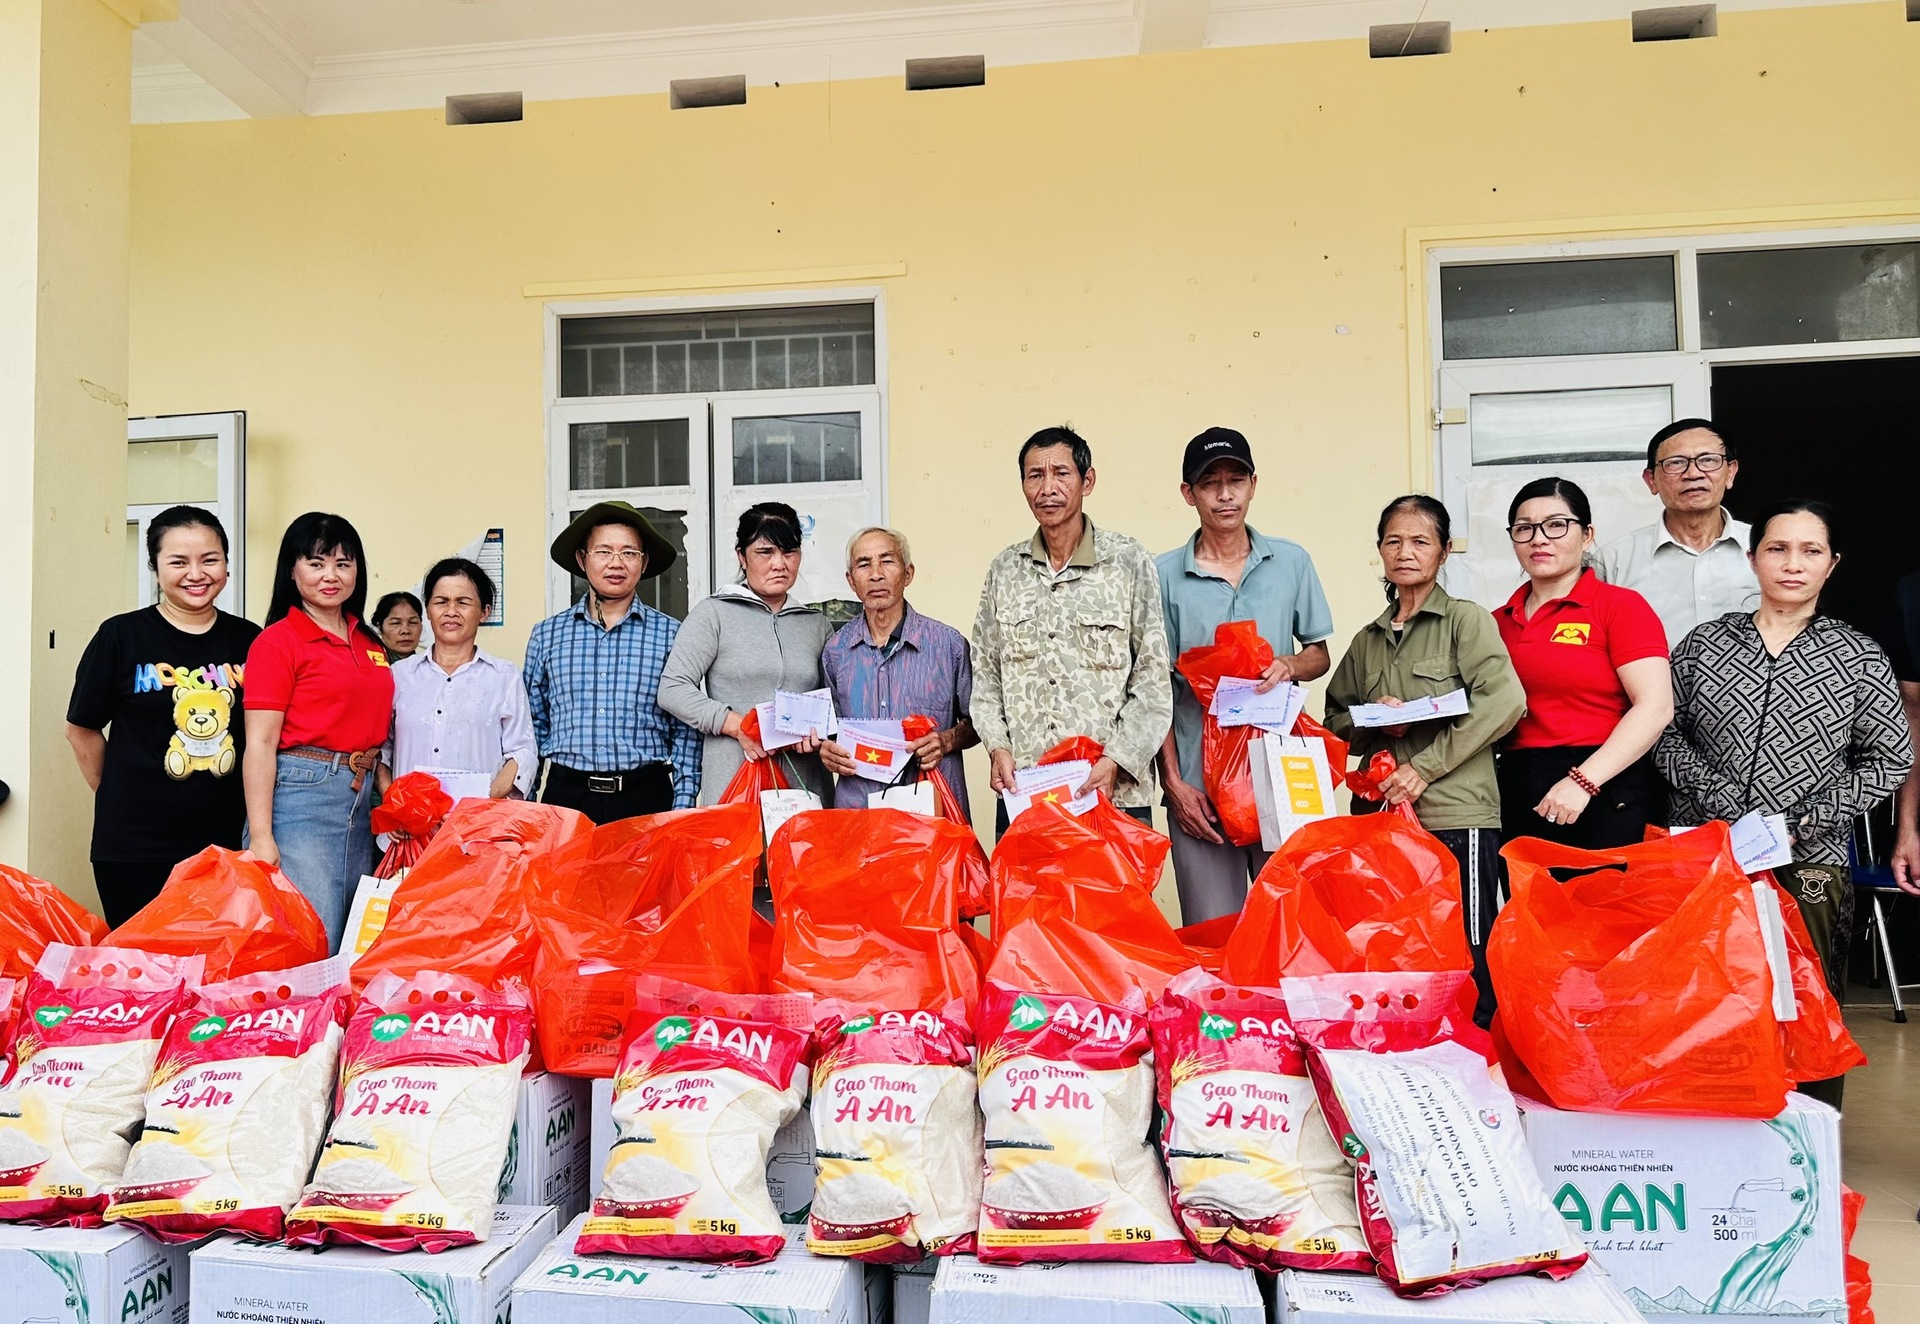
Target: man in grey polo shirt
(1227,571)
(1691,566)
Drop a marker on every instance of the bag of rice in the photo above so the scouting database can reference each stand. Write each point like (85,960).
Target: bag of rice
(1448,1192)
(705,1081)
(896,1135)
(237,1106)
(1258,1181)
(429,1083)
(1066,1086)
(89,1030)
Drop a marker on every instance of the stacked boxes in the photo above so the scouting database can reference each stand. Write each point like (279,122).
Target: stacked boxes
(77,1274)
(1588,1297)
(966,1291)
(548,1156)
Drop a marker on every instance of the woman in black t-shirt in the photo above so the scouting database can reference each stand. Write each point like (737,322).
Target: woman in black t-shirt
(167,680)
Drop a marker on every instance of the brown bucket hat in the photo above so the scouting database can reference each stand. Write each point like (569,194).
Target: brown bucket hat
(659,552)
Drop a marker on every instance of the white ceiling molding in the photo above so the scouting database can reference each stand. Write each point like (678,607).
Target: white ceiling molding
(1173,25)
(240,53)
(799,50)
(226,58)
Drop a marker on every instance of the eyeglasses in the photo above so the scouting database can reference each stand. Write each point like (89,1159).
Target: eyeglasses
(1711,463)
(1555,528)
(608,555)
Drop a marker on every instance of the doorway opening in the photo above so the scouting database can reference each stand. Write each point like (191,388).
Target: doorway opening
(1842,431)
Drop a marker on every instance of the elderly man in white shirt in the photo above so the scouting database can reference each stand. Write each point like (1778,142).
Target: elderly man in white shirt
(1691,566)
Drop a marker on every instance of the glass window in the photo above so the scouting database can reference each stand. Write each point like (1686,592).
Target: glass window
(641,453)
(798,448)
(1615,305)
(748,349)
(668,592)
(175,472)
(1809,296)
(1557,427)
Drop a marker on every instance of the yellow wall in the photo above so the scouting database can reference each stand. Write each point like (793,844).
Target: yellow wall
(1142,246)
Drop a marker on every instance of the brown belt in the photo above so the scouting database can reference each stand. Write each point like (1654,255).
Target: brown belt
(360,763)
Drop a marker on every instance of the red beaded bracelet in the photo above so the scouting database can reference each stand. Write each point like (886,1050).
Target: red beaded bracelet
(1584,782)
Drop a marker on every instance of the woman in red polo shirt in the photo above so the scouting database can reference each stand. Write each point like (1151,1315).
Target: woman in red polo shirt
(319,702)
(1593,661)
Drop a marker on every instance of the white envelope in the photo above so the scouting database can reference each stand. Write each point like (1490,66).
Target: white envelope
(1237,702)
(878,748)
(1050,781)
(1432,708)
(798,715)
(461,785)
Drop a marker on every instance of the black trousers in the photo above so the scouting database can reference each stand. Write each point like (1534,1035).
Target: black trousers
(1616,817)
(127,885)
(611,796)
(1478,852)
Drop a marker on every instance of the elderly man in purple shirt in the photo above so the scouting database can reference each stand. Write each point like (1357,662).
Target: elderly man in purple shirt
(891,663)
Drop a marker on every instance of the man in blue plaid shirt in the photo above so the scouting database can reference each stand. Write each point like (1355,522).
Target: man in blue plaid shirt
(593,678)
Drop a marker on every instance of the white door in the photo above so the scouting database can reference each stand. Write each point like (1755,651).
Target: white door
(818,451)
(187,460)
(652,454)
(1502,425)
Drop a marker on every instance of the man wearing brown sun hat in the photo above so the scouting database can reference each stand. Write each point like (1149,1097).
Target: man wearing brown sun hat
(593,678)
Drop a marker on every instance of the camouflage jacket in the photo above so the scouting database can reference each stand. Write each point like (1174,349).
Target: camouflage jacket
(1083,653)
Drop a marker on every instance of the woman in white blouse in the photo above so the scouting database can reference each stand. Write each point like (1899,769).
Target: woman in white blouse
(456,709)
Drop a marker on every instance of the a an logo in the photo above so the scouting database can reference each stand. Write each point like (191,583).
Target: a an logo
(1028,1013)
(1354,1148)
(671,1032)
(1217,1027)
(1570,632)
(392,1026)
(207,1029)
(52,1016)
(857,1024)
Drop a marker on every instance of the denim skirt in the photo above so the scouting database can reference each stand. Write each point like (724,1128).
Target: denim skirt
(326,844)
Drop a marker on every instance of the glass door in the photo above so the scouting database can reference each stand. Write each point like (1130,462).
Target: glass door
(817,451)
(187,460)
(1502,425)
(653,455)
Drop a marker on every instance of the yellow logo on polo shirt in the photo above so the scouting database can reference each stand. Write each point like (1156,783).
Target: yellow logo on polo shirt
(379,656)
(1570,632)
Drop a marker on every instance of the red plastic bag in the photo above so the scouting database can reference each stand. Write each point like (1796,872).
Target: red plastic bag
(34,913)
(1859,1278)
(755,775)
(1364,781)
(1073,908)
(462,910)
(667,894)
(1372,892)
(866,909)
(410,813)
(1636,980)
(1207,940)
(1237,650)
(973,890)
(1308,729)
(241,913)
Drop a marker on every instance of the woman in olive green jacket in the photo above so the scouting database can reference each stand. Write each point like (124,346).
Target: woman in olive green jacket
(1425,644)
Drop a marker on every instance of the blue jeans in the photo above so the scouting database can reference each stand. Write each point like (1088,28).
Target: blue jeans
(320,824)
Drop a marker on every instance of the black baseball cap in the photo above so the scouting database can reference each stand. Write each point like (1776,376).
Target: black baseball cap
(1212,446)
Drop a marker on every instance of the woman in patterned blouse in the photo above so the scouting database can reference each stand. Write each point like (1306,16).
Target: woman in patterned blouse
(1785,711)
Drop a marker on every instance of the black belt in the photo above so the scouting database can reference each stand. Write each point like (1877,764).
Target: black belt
(600,783)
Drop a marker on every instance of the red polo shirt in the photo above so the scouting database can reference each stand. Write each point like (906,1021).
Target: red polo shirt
(336,693)
(1569,655)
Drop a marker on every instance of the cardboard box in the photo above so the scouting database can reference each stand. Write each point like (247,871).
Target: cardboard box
(966,1291)
(547,1156)
(64,1275)
(913,1292)
(1671,1205)
(790,1164)
(274,1284)
(1589,1297)
(794,1287)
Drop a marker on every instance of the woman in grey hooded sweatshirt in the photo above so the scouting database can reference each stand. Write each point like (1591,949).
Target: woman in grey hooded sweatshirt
(740,645)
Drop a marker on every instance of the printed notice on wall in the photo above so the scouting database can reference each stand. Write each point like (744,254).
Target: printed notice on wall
(492,558)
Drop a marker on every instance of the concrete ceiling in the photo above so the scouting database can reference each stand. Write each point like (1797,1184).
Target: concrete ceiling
(232,59)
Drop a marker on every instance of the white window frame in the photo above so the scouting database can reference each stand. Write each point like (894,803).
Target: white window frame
(876,477)
(229,431)
(1688,368)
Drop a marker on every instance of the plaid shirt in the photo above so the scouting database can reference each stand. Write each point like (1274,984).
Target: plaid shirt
(593,693)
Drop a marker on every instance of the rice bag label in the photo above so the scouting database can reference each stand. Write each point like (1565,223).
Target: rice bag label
(1257,1178)
(422,1117)
(696,1103)
(896,1136)
(1066,1090)
(236,1106)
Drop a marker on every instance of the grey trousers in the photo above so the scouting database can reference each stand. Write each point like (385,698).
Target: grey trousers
(1212,880)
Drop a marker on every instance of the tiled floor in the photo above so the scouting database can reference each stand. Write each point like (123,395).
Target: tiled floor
(1880,1154)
